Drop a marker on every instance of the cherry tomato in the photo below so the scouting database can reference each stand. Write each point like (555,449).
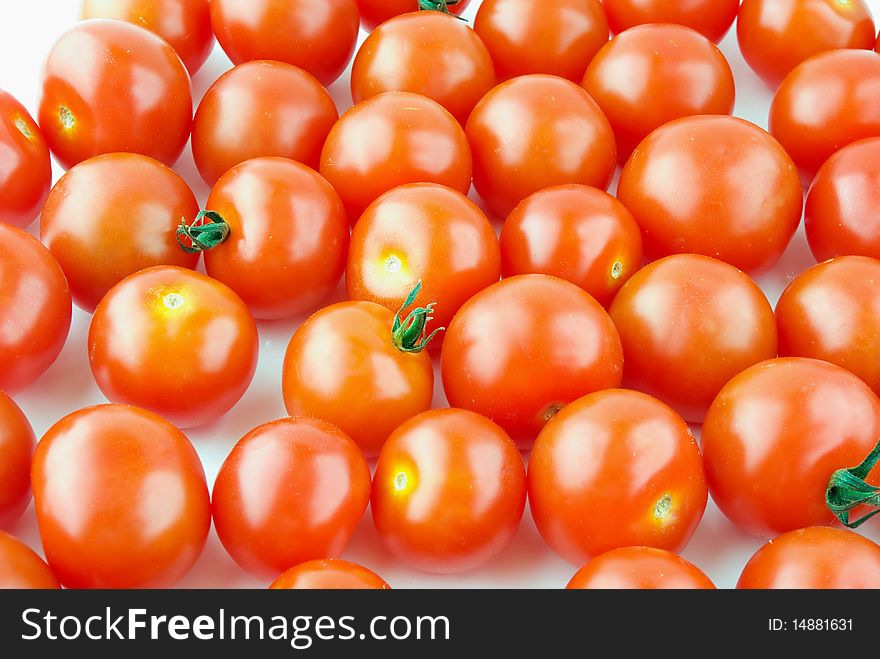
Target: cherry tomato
(535,36)
(776,433)
(329,574)
(288,236)
(25,167)
(449,491)
(712,18)
(290,491)
(16,449)
(713,185)
(112,86)
(35,309)
(776,35)
(573,232)
(174,341)
(688,324)
(422,232)
(644,484)
(258,109)
(392,139)
(316,35)
(121,499)
(185,24)
(520,350)
(640,568)
(374,12)
(113,215)
(20,567)
(680,73)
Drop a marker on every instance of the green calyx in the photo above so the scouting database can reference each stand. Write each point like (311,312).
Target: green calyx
(410,334)
(848,489)
(203,235)
(439,5)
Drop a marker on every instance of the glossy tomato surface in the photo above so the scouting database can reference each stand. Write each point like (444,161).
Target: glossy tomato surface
(640,568)
(21,568)
(712,18)
(25,167)
(16,450)
(329,574)
(374,12)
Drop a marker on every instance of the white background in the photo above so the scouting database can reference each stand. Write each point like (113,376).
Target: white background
(27,32)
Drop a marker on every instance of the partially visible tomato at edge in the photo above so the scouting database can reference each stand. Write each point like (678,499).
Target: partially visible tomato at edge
(25,167)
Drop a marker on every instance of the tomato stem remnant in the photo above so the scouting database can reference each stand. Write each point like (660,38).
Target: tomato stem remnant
(202,235)
(439,5)
(409,334)
(848,489)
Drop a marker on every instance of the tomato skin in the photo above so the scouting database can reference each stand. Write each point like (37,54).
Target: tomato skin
(20,567)
(688,324)
(173,341)
(576,233)
(375,12)
(449,491)
(16,448)
(89,105)
(288,236)
(291,490)
(639,568)
(329,574)
(775,434)
(121,499)
(25,167)
(711,18)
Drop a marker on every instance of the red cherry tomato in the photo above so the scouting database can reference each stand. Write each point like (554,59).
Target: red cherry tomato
(121,499)
(688,324)
(713,185)
(20,567)
(290,491)
(639,568)
(449,491)
(16,449)
(613,469)
(112,86)
(35,309)
(374,12)
(258,109)
(25,167)
(174,341)
(712,18)
(533,132)
(573,232)
(329,574)
(520,350)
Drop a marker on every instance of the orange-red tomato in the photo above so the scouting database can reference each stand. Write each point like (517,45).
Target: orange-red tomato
(121,499)
(16,450)
(291,490)
(712,18)
(20,567)
(329,574)
(640,568)
(25,167)
(449,491)
(375,12)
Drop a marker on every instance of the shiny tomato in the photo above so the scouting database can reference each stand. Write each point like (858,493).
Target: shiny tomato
(520,350)
(688,324)
(290,491)
(258,109)
(20,567)
(374,12)
(640,568)
(776,433)
(16,449)
(316,35)
(712,18)
(680,73)
(535,36)
(776,35)
(121,499)
(329,574)
(713,185)
(111,86)
(644,484)
(449,491)
(113,215)
(174,341)
(35,309)
(25,167)
(288,236)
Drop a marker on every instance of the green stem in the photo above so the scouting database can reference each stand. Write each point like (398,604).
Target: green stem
(202,235)
(848,489)
(439,5)
(410,334)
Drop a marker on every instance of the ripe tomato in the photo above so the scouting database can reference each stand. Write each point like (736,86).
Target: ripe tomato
(16,449)
(639,568)
(374,12)
(573,232)
(814,558)
(25,168)
(680,73)
(392,139)
(174,341)
(111,216)
(316,35)
(422,232)
(713,185)
(329,574)
(20,567)
(774,436)
(777,35)
(712,18)
(688,324)
(112,86)
(520,350)
(121,499)
(614,469)
(258,109)
(288,236)
(535,36)
(35,309)
(290,491)
(534,132)
(449,491)
(185,24)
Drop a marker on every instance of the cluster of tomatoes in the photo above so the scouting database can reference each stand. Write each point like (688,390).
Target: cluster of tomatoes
(535,332)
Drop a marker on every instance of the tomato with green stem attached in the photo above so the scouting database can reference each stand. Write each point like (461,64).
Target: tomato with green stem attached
(25,167)
(376,12)
(640,568)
